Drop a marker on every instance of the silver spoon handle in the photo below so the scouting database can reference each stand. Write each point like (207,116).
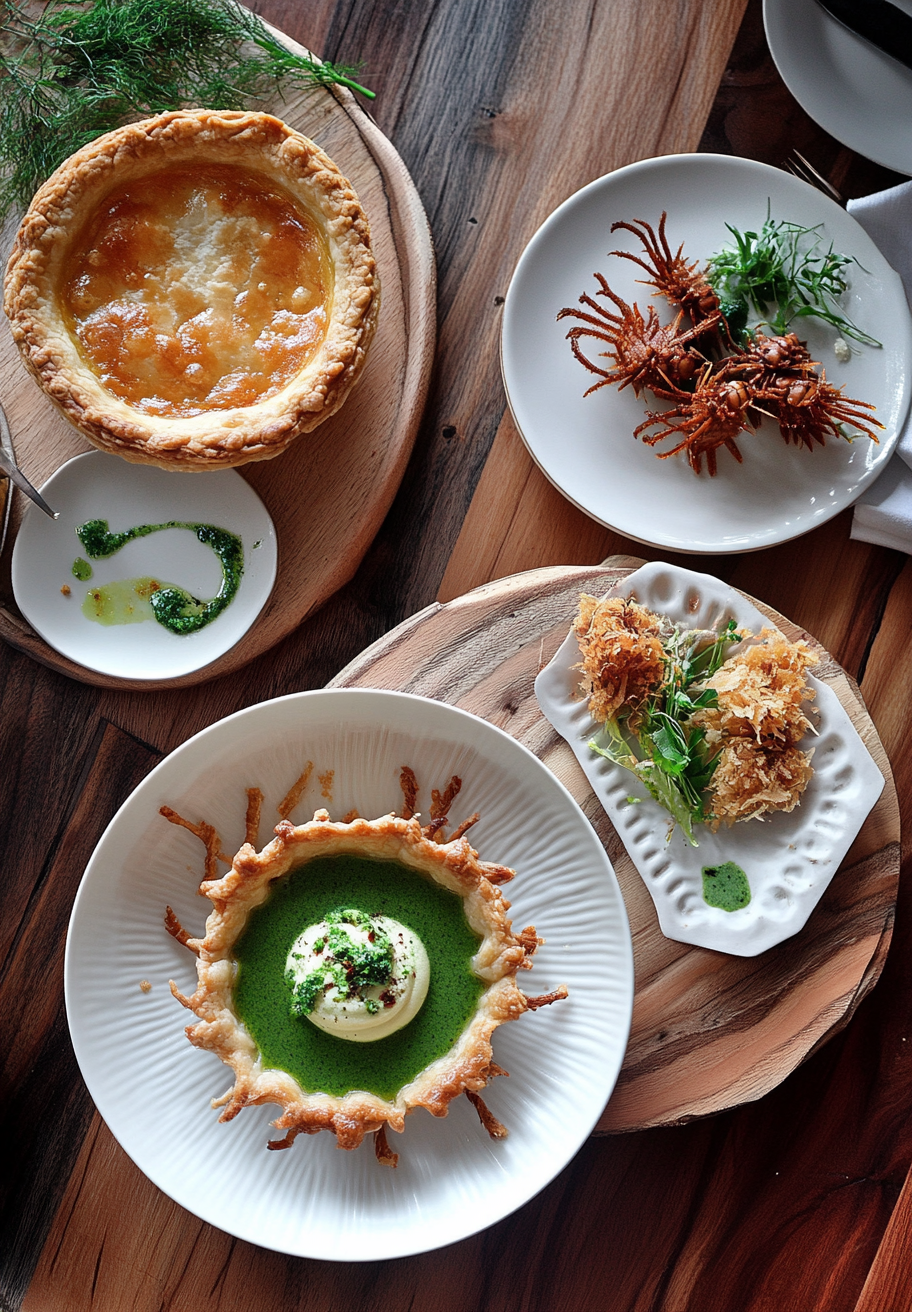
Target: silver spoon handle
(15,474)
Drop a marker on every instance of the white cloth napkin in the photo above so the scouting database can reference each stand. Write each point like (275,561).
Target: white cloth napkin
(883,514)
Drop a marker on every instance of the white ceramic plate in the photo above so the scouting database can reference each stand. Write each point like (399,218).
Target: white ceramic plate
(789,859)
(99,486)
(857,93)
(585,445)
(153,1089)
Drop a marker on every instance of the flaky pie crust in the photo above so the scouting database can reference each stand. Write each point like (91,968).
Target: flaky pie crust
(261,144)
(466,1068)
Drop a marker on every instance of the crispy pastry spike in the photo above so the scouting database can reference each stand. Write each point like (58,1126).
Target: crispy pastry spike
(176,930)
(452,864)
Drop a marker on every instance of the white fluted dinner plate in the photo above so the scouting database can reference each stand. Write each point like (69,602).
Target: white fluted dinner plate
(789,859)
(153,1089)
(585,444)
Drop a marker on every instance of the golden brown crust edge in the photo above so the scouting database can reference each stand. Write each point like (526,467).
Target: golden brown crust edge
(217,439)
(467,1066)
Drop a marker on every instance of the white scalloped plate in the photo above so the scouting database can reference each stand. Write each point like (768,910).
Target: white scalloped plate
(153,1089)
(789,859)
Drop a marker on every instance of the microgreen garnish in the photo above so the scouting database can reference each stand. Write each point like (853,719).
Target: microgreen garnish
(348,965)
(84,68)
(668,755)
(785,265)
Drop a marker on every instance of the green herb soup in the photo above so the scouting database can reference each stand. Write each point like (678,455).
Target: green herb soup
(726,887)
(171,605)
(320,1062)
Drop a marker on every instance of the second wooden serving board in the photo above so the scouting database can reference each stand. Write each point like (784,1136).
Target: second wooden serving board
(709,1031)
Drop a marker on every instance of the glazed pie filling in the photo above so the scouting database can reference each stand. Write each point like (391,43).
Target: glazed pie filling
(197,289)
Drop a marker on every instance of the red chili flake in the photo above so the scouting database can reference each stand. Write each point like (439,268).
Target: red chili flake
(388,999)
(370,937)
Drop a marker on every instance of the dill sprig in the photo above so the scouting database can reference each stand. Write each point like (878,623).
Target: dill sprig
(787,266)
(83,68)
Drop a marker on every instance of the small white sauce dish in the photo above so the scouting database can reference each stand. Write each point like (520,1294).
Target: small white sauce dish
(99,486)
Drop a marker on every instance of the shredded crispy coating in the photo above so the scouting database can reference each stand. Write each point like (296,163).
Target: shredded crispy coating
(759,720)
(761,691)
(754,729)
(750,781)
(623,661)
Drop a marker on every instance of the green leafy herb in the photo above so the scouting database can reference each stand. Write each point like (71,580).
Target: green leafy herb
(787,266)
(349,965)
(84,68)
(667,754)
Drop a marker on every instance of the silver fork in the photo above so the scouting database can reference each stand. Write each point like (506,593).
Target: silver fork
(803,169)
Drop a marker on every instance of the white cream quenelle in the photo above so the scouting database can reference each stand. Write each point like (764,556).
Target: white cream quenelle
(356,976)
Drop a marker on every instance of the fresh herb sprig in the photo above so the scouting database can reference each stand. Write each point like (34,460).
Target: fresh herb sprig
(787,266)
(668,754)
(83,68)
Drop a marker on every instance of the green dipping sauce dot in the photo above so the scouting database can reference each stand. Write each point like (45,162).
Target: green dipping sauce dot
(726,886)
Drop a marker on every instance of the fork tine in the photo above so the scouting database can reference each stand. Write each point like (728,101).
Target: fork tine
(803,169)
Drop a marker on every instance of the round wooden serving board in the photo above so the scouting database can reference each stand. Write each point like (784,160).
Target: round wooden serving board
(329,493)
(709,1031)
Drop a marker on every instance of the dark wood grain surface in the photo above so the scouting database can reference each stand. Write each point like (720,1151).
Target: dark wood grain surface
(500,110)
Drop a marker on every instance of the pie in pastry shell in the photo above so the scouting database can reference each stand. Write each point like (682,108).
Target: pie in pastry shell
(195,290)
(465,1068)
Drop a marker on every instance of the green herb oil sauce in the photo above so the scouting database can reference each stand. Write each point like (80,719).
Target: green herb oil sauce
(726,887)
(319,1061)
(168,603)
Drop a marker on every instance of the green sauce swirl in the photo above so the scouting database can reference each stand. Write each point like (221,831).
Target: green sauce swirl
(173,606)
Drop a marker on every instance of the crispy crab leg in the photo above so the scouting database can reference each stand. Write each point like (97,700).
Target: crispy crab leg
(645,354)
(679,280)
(464,828)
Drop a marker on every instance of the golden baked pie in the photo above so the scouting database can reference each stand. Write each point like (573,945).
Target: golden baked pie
(195,290)
(252,1005)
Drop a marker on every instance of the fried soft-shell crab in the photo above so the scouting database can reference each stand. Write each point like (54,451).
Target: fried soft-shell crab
(451,863)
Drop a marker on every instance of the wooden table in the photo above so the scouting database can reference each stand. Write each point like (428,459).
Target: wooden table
(796,1201)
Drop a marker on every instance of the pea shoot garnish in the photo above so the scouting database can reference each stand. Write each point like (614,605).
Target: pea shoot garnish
(785,267)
